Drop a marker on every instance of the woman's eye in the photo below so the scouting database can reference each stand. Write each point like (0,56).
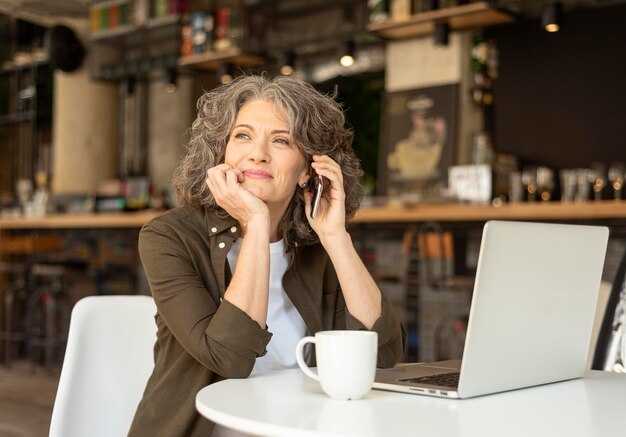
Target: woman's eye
(282,141)
(242,136)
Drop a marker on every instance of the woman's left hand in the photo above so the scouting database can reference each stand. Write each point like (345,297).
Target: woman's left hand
(330,218)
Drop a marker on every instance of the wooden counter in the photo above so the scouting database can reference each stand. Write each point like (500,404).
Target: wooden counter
(80,221)
(449,212)
(445,212)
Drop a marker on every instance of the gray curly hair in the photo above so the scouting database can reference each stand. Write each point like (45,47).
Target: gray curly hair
(317,124)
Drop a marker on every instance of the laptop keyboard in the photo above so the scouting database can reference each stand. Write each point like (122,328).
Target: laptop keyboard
(450,380)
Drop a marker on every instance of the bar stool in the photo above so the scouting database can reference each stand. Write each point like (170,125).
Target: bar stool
(15,296)
(48,314)
(19,253)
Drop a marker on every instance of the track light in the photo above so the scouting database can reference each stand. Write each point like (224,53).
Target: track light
(288,63)
(171,80)
(226,73)
(347,54)
(442,32)
(552,17)
(129,84)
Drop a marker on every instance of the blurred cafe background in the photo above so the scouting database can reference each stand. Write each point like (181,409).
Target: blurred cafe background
(463,111)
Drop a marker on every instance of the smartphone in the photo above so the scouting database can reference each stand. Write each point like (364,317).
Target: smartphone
(319,187)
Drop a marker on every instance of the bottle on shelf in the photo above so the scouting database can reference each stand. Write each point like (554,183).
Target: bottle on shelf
(222,28)
(202,25)
(378,10)
(482,151)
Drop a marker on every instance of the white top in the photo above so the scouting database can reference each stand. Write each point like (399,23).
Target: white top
(287,403)
(283,320)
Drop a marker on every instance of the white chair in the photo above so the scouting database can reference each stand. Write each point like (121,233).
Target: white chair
(107,363)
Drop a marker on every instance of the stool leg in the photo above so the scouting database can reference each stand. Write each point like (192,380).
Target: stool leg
(50,303)
(8,325)
(49,309)
(32,321)
(10,336)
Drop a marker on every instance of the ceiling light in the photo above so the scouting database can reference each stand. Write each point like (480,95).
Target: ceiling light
(442,32)
(129,84)
(226,73)
(171,80)
(347,54)
(287,64)
(552,17)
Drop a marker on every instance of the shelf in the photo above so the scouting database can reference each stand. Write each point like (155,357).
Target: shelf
(107,3)
(467,16)
(140,67)
(115,32)
(17,118)
(81,221)
(212,60)
(131,29)
(446,212)
(34,61)
(451,212)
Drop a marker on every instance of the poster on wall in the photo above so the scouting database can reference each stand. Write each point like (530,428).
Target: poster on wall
(418,142)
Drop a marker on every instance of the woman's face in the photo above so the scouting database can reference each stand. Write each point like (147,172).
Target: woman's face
(262,148)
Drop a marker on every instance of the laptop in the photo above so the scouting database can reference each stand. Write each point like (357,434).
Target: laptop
(531,316)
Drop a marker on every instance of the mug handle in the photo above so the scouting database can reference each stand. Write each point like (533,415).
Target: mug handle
(299,357)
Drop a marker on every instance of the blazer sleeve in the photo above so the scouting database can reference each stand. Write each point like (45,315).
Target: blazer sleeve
(220,336)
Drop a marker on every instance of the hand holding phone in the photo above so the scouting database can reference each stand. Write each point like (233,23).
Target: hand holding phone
(319,188)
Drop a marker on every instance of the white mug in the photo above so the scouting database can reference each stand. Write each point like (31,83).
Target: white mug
(346,362)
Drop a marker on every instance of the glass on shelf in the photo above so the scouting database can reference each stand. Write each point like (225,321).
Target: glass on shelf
(529,180)
(516,189)
(568,184)
(597,178)
(616,177)
(545,183)
(24,189)
(582,187)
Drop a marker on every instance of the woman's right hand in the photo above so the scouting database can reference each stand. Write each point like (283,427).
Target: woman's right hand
(225,184)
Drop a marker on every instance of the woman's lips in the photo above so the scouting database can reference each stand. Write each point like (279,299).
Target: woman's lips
(256,174)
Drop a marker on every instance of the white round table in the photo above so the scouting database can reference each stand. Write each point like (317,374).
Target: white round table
(289,404)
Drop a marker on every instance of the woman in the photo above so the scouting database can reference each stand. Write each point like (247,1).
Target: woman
(241,272)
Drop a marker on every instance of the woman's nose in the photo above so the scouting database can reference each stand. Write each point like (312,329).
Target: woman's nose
(260,150)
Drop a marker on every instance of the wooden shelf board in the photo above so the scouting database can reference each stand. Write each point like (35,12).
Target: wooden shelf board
(459,17)
(81,221)
(103,35)
(450,212)
(212,60)
(19,117)
(10,67)
(153,24)
(108,3)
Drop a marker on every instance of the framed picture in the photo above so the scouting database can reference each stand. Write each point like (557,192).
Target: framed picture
(418,141)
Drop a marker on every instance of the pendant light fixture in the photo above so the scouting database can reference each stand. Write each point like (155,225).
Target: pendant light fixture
(288,63)
(347,54)
(171,80)
(226,73)
(441,35)
(552,17)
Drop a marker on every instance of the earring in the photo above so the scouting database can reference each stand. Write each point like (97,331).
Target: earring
(302,184)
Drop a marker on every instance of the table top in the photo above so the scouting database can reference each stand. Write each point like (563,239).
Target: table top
(289,404)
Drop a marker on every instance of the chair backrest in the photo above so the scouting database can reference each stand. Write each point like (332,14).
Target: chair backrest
(609,343)
(107,363)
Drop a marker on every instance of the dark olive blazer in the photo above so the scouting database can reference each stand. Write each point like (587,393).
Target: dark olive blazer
(202,338)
